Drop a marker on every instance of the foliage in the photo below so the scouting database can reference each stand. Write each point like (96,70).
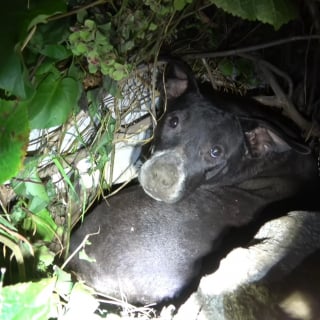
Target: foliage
(14,136)
(41,300)
(32,300)
(32,214)
(53,101)
(94,43)
(274,12)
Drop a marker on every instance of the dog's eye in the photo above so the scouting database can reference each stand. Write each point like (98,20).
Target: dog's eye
(216,151)
(173,122)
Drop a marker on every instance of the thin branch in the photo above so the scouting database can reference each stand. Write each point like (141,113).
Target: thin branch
(288,106)
(61,16)
(81,245)
(235,52)
(75,11)
(213,84)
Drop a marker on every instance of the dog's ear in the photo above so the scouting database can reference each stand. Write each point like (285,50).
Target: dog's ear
(265,136)
(179,79)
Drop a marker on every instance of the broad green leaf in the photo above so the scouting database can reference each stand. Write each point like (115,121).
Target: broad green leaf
(37,204)
(20,16)
(56,51)
(13,75)
(11,68)
(30,186)
(51,33)
(274,12)
(29,300)
(48,66)
(35,188)
(53,102)
(14,137)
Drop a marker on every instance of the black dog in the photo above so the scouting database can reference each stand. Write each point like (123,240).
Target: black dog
(217,163)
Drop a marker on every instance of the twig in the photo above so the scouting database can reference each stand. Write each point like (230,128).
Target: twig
(81,245)
(213,84)
(60,16)
(270,101)
(288,106)
(75,11)
(235,52)
(314,12)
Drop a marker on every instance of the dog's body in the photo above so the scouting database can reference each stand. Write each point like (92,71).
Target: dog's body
(214,166)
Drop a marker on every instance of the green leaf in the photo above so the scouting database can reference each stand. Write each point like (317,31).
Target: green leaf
(105,141)
(274,12)
(36,188)
(42,223)
(54,32)
(90,24)
(37,204)
(93,68)
(111,86)
(13,76)
(30,186)
(119,74)
(30,300)
(83,256)
(17,214)
(56,51)
(153,26)
(80,48)
(86,35)
(179,4)
(7,224)
(48,66)
(64,282)
(66,177)
(20,16)
(53,102)
(14,137)
(40,10)
(226,67)
(45,257)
